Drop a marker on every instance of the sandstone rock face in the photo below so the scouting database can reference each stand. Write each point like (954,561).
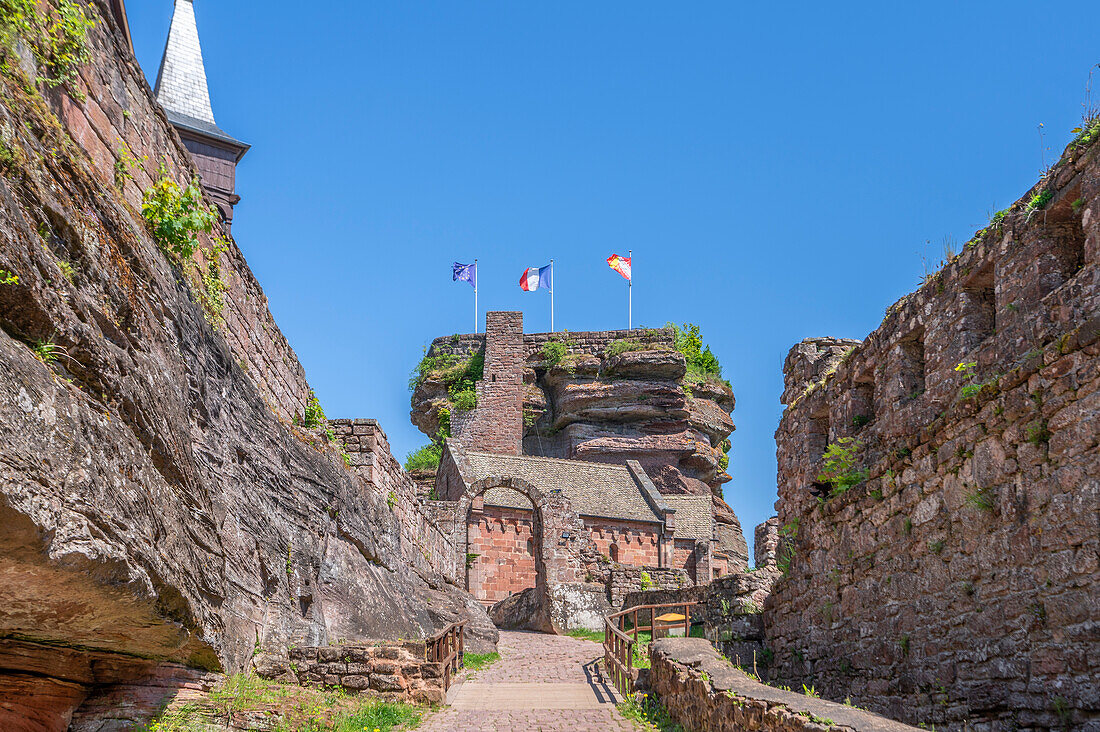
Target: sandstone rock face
(153,505)
(956,582)
(558,608)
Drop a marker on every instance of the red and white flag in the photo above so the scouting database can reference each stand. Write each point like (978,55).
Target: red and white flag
(620,265)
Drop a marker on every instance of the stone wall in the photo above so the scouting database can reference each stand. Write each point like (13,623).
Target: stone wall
(496,425)
(593,343)
(959,582)
(623,582)
(388,670)
(427,531)
(503,540)
(154,508)
(704,692)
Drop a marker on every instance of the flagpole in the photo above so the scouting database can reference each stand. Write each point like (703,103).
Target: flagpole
(630,291)
(551,295)
(475,294)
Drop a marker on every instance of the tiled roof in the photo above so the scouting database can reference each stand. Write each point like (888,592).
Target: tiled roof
(181,81)
(594,489)
(694,517)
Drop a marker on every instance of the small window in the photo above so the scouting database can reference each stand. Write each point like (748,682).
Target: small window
(978,302)
(911,365)
(614,552)
(531,547)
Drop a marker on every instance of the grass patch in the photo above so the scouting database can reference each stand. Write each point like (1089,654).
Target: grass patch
(585,634)
(479,661)
(648,713)
(288,707)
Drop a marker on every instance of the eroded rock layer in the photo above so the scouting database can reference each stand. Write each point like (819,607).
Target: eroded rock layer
(603,404)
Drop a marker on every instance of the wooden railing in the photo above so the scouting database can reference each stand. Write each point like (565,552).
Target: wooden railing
(448,647)
(619,641)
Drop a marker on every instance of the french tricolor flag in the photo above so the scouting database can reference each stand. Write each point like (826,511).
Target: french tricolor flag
(535,277)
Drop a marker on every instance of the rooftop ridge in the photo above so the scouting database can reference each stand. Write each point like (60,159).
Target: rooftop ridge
(570,461)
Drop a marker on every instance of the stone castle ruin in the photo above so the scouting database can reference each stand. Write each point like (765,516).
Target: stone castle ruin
(953,573)
(174,506)
(610,427)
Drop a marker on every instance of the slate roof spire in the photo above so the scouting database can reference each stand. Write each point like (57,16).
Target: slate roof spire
(182,92)
(181,81)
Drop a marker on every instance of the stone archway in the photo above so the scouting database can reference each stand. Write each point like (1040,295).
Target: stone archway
(556,528)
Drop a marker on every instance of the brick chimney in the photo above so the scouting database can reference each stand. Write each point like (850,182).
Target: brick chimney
(496,425)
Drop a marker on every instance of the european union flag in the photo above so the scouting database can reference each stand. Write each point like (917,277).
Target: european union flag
(466,272)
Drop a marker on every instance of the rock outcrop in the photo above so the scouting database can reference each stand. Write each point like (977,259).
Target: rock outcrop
(604,404)
(154,507)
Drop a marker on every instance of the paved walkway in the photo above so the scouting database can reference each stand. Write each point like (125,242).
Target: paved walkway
(542,682)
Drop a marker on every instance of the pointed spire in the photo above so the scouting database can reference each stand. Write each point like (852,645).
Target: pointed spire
(181,81)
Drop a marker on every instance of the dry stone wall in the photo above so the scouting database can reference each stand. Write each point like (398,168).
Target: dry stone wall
(705,693)
(384,669)
(958,584)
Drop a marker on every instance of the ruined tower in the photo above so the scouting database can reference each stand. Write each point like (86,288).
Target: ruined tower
(182,92)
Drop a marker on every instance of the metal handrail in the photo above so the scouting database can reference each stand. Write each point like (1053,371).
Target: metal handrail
(619,642)
(448,647)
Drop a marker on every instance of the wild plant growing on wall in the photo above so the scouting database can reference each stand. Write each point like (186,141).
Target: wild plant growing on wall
(176,216)
(58,39)
(842,465)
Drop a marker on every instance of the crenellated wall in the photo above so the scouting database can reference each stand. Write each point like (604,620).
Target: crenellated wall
(959,583)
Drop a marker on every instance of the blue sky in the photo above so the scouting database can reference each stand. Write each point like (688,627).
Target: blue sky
(778,170)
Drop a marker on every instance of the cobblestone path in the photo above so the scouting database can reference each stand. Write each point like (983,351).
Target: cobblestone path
(541,682)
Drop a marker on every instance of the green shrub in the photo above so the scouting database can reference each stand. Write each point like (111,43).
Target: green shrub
(701,362)
(176,216)
(211,293)
(647,713)
(425,458)
(842,469)
(465,401)
(554,352)
(1039,201)
(314,414)
(457,374)
(8,278)
(647,581)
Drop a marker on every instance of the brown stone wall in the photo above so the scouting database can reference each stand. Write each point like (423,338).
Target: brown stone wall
(593,342)
(497,423)
(503,538)
(704,692)
(635,543)
(959,582)
(426,527)
(386,669)
(626,582)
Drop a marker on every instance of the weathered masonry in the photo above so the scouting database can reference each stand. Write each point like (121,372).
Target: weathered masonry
(959,582)
(616,516)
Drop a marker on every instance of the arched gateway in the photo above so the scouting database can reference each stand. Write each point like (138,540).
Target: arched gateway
(554,528)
